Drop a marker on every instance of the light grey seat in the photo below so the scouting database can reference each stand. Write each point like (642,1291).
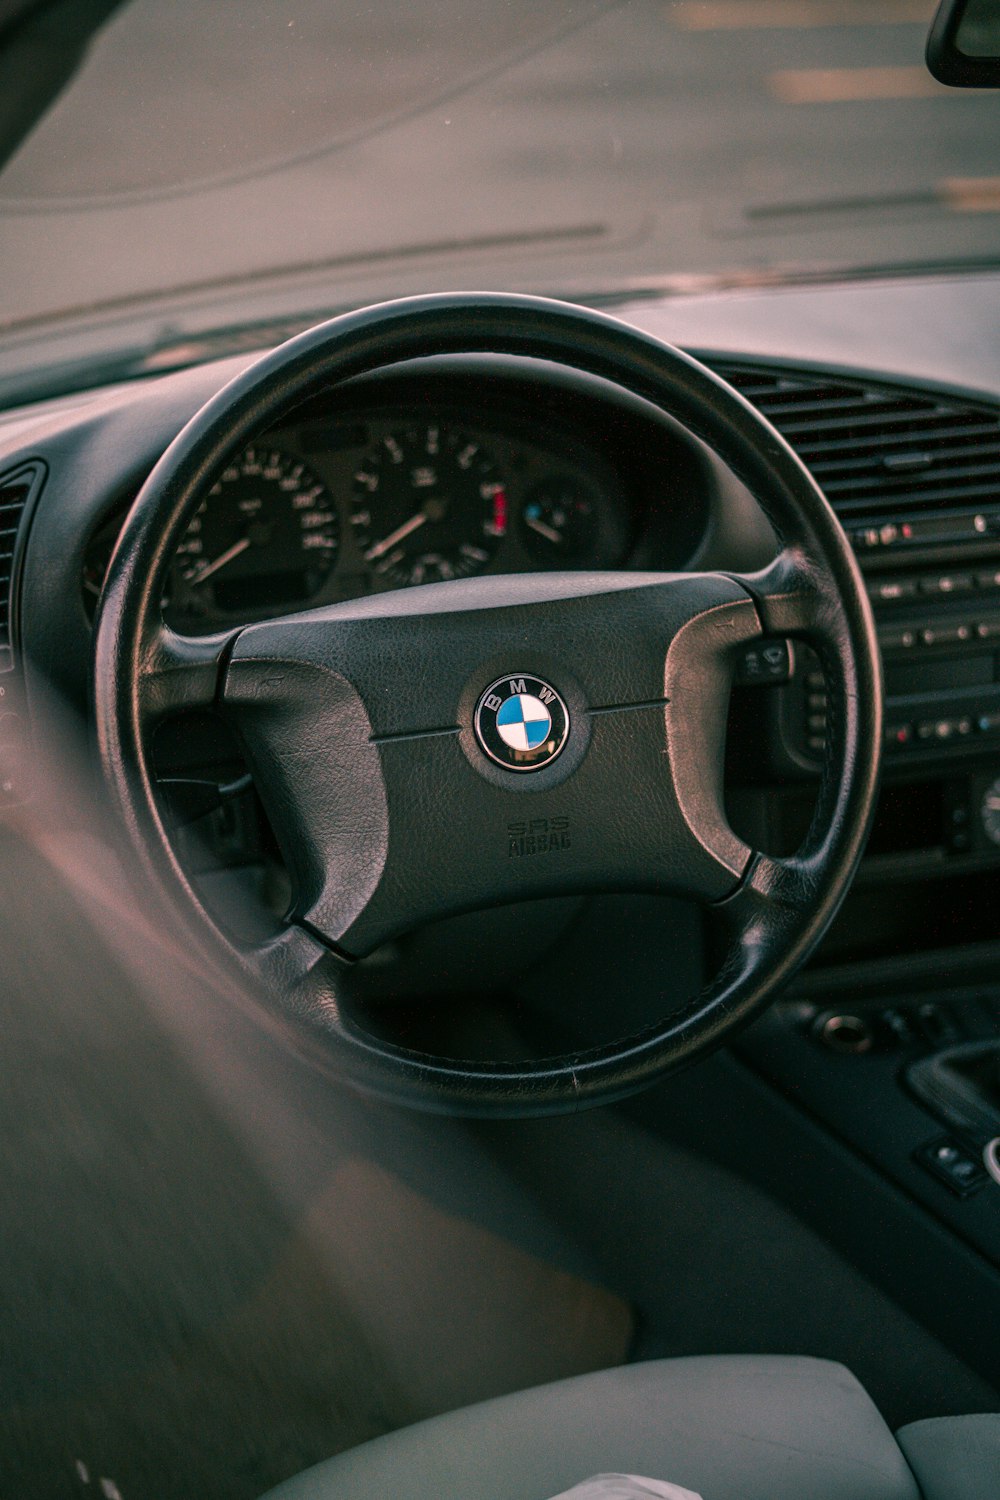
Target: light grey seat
(955,1458)
(730,1428)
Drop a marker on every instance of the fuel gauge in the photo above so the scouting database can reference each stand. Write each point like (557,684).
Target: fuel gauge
(559,522)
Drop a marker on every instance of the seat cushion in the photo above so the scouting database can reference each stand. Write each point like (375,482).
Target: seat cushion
(731,1428)
(954,1458)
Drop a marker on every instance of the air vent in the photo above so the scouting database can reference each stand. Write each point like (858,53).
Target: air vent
(16,489)
(881,454)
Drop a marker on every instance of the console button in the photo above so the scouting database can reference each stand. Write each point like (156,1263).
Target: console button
(770,661)
(946,635)
(988,630)
(989,578)
(847,1034)
(947,583)
(897,640)
(896,735)
(958,1168)
(936,1024)
(897,1027)
(944,729)
(891,590)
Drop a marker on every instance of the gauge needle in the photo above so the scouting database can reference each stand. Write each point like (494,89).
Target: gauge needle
(220,562)
(400,533)
(548,532)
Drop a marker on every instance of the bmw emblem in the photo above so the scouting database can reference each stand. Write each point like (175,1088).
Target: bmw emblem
(521,723)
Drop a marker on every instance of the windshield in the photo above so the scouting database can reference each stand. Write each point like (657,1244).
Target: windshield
(219,163)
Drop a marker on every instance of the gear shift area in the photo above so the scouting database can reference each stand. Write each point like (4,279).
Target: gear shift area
(961,1084)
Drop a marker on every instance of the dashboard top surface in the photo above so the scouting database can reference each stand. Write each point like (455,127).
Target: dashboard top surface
(938,329)
(941,330)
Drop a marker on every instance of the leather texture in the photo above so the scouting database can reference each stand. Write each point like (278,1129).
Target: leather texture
(730,1428)
(954,1458)
(357,721)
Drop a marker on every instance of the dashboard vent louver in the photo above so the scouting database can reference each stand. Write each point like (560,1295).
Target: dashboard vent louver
(879,453)
(16,489)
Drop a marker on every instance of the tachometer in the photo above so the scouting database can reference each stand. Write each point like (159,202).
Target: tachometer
(266,536)
(429,504)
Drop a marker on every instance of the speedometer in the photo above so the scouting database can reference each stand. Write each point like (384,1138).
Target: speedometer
(266,536)
(429,504)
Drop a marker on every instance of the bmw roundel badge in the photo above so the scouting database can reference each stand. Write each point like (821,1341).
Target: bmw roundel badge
(521,723)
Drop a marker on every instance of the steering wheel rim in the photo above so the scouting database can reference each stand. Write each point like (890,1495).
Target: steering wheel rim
(775,910)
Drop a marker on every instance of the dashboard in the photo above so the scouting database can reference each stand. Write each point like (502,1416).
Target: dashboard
(455,466)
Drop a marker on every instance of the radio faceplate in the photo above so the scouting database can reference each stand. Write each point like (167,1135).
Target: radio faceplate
(938,622)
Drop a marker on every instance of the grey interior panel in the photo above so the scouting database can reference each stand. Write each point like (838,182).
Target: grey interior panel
(729,1428)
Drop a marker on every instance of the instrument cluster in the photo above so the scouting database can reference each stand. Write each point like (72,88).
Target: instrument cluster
(328,509)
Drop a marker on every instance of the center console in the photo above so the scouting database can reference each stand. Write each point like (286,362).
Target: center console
(933,577)
(866,1059)
(889,1041)
(935,590)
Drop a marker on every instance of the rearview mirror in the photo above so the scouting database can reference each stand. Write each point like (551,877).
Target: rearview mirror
(963,48)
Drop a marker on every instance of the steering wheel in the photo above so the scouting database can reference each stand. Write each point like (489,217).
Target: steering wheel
(439,749)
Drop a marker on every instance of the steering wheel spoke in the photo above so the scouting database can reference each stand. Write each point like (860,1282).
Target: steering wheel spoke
(700,665)
(298,965)
(181,672)
(790,597)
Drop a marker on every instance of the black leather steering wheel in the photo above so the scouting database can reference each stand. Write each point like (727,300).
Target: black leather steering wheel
(397,740)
